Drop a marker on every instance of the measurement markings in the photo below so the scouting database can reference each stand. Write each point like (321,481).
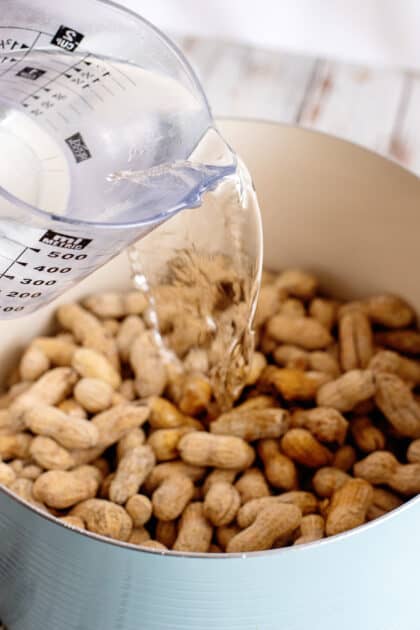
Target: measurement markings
(15,261)
(27,51)
(129,79)
(54,79)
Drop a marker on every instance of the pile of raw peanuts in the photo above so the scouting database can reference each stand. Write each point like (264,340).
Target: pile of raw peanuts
(96,431)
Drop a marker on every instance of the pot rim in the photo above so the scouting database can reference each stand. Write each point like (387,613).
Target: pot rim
(216,556)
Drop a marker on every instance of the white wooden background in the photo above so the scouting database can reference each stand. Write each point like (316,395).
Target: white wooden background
(377,108)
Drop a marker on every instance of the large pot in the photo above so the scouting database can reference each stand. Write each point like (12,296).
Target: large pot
(354,219)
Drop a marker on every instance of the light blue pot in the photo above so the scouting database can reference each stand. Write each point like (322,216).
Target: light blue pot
(353,218)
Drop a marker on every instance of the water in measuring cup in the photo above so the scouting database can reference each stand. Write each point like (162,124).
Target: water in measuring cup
(68,122)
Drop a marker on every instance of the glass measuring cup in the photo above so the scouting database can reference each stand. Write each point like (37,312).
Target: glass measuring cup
(87,90)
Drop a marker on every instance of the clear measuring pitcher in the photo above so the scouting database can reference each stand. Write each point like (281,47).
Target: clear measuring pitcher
(105,133)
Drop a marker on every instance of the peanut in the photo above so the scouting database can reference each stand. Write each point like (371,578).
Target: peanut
(388,361)
(172,496)
(7,474)
(33,364)
(50,455)
(139,536)
(116,305)
(16,390)
(383,502)
(17,465)
(312,528)
(139,507)
(92,364)
(53,386)
(10,423)
(252,424)
(61,489)
(88,330)
(304,332)
(166,533)
(271,523)
(197,361)
(257,365)
(23,488)
(397,403)
(225,533)
(104,518)
(32,471)
(195,532)
(17,445)
(292,307)
(93,394)
(72,408)
(405,341)
(293,384)
(305,501)
(324,362)
(164,442)
(221,503)
(163,471)
(268,304)
(356,341)
(347,391)
(279,469)
(297,282)
(328,479)
(413,452)
(252,485)
(344,457)
(301,446)
(58,351)
(323,507)
(218,475)
(367,437)
(291,357)
(105,485)
(127,389)
(382,467)
(221,451)
(70,433)
(349,506)
(102,465)
(147,363)
(267,344)
(164,415)
(131,439)
(324,311)
(73,521)
(325,423)
(111,326)
(131,472)
(114,423)
(130,329)
(389,310)
(195,395)
(154,544)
